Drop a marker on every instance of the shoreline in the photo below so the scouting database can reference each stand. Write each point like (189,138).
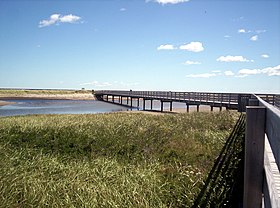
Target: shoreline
(3,103)
(77,96)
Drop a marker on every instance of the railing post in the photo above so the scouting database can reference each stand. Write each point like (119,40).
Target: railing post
(254,156)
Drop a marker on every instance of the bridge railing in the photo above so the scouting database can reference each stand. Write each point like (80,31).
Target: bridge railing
(232,100)
(180,96)
(262,153)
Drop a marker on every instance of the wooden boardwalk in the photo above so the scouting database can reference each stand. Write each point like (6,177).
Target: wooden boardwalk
(234,101)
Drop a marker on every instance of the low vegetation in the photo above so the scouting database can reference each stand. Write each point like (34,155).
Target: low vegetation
(108,160)
(22,92)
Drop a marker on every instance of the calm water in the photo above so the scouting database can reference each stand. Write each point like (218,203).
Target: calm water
(26,107)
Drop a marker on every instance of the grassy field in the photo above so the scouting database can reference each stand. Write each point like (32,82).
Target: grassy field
(108,160)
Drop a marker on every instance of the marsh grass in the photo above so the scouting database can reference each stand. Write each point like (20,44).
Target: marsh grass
(22,92)
(108,160)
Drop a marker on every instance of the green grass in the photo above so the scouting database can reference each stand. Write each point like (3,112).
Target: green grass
(108,160)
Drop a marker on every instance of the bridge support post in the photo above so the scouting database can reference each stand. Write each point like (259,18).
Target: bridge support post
(188,108)
(137,102)
(127,98)
(144,103)
(161,106)
(121,99)
(131,100)
(171,105)
(212,107)
(151,104)
(221,108)
(113,98)
(254,156)
(197,108)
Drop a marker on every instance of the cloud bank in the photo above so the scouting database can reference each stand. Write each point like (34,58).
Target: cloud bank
(168,1)
(270,71)
(58,18)
(233,59)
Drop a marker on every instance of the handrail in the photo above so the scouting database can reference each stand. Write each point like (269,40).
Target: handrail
(230,100)
(262,153)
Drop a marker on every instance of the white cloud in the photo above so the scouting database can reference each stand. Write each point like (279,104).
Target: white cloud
(69,18)
(110,84)
(246,72)
(265,56)
(205,75)
(191,63)
(166,47)
(241,31)
(193,46)
(122,9)
(260,31)
(254,38)
(168,1)
(57,18)
(227,36)
(233,59)
(228,73)
(98,84)
(126,84)
(270,71)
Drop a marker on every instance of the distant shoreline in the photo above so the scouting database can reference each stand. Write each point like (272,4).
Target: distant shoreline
(76,96)
(43,94)
(17,94)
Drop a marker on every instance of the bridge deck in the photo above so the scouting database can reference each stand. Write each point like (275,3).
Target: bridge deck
(227,100)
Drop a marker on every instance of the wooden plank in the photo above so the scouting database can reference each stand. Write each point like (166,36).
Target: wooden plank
(254,151)
(273,129)
(272,178)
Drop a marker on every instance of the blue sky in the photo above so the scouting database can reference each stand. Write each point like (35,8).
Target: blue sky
(195,45)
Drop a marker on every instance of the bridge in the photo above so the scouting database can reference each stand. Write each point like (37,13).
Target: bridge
(261,186)
(234,101)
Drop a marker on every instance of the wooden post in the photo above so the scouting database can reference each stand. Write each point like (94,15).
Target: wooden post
(161,106)
(212,107)
(197,108)
(188,108)
(131,100)
(170,105)
(127,98)
(138,102)
(254,156)
(113,98)
(144,103)
(121,99)
(221,108)
(151,104)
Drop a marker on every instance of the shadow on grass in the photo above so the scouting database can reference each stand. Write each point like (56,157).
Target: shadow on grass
(224,184)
